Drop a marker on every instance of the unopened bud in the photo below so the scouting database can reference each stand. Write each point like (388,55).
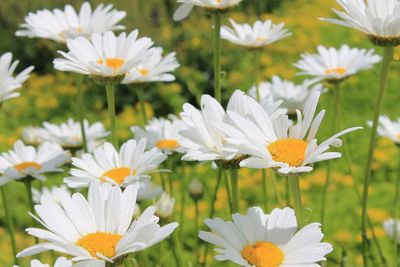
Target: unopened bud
(196,190)
(165,206)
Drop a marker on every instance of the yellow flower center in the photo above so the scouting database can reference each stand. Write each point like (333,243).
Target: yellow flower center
(144,71)
(263,254)
(290,151)
(340,71)
(79,29)
(25,165)
(260,39)
(167,144)
(100,243)
(113,63)
(118,174)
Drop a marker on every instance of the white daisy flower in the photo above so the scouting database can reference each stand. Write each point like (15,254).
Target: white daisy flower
(33,135)
(217,5)
(61,25)
(27,161)
(275,143)
(105,55)
(162,134)
(388,128)
(293,96)
(148,190)
(336,64)
(69,135)
(48,192)
(263,240)
(154,69)
(376,18)
(60,262)
(165,206)
(259,35)
(8,82)
(98,229)
(390,227)
(129,165)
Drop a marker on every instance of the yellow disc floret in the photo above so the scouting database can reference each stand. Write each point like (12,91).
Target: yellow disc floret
(263,254)
(167,144)
(100,243)
(340,71)
(118,174)
(113,63)
(290,151)
(25,165)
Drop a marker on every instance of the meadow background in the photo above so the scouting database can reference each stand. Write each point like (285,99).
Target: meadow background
(50,96)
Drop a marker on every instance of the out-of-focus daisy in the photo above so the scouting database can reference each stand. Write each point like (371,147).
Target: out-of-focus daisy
(278,144)
(60,262)
(69,135)
(129,165)
(148,190)
(48,192)
(213,5)
(33,135)
(105,55)
(154,69)
(336,64)
(259,35)
(165,206)
(196,189)
(162,134)
(388,128)
(390,228)
(266,240)
(27,161)
(60,25)
(8,82)
(98,229)
(380,20)
(293,95)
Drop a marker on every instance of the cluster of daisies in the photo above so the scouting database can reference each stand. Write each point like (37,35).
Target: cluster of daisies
(273,125)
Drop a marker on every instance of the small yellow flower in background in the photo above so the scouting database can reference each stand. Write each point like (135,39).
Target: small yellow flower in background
(343,236)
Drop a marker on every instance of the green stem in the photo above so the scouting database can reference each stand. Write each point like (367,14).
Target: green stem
(257,74)
(212,211)
(183,201)
(170,166)
(142,100)
(81,109)
(177,249)
(287,190)
(387,58)
(28,187)
(228,191)
(276,188)
(294,183)
(217,55)
(10,224)
(196,222)
(235,190)
(110,88)
(395,216)
(264,189)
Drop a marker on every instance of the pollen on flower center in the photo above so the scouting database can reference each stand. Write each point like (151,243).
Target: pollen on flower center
(290,151)
(144,71)
(263,254)
(167,144)
(25,165)
(118,174)
(260,39)
(100,243)
(113,63)
(340,71)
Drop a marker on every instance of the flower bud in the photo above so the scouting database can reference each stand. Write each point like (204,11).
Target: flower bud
(165,206)
(196,190)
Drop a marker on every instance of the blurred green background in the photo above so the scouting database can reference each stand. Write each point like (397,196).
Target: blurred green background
(50,96)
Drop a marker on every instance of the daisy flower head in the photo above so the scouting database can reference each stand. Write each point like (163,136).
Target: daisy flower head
(48,192)
(334,65)
(266,240)
(293,96)
(105,57)
(212,5)
(9,83)
(32,135)
(391,227)
(276,143)
(60,262)
(388,128)
(155,69)
(69,135)
(379,20)
(61,25)
(130,165)
(254,36)
(148,190)
(162,133)
(98,229)
(28,162)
